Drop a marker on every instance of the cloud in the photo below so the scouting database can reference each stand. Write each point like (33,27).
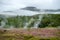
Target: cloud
(10,5)
(41,4)
(57,4)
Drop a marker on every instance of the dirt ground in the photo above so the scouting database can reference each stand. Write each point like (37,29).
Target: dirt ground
(40,32)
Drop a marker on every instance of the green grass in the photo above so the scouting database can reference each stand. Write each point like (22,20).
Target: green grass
(24,37)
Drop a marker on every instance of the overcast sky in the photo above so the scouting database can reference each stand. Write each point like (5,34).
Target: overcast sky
(9,5)
(41,4)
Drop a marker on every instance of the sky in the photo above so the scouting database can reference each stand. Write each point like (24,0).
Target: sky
(8,5)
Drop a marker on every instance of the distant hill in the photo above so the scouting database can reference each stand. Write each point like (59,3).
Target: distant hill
(31,9)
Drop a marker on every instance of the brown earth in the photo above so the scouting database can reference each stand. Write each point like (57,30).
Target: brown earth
(30,34)
(41,32)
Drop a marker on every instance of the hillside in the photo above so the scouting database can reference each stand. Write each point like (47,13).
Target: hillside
(45,20)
